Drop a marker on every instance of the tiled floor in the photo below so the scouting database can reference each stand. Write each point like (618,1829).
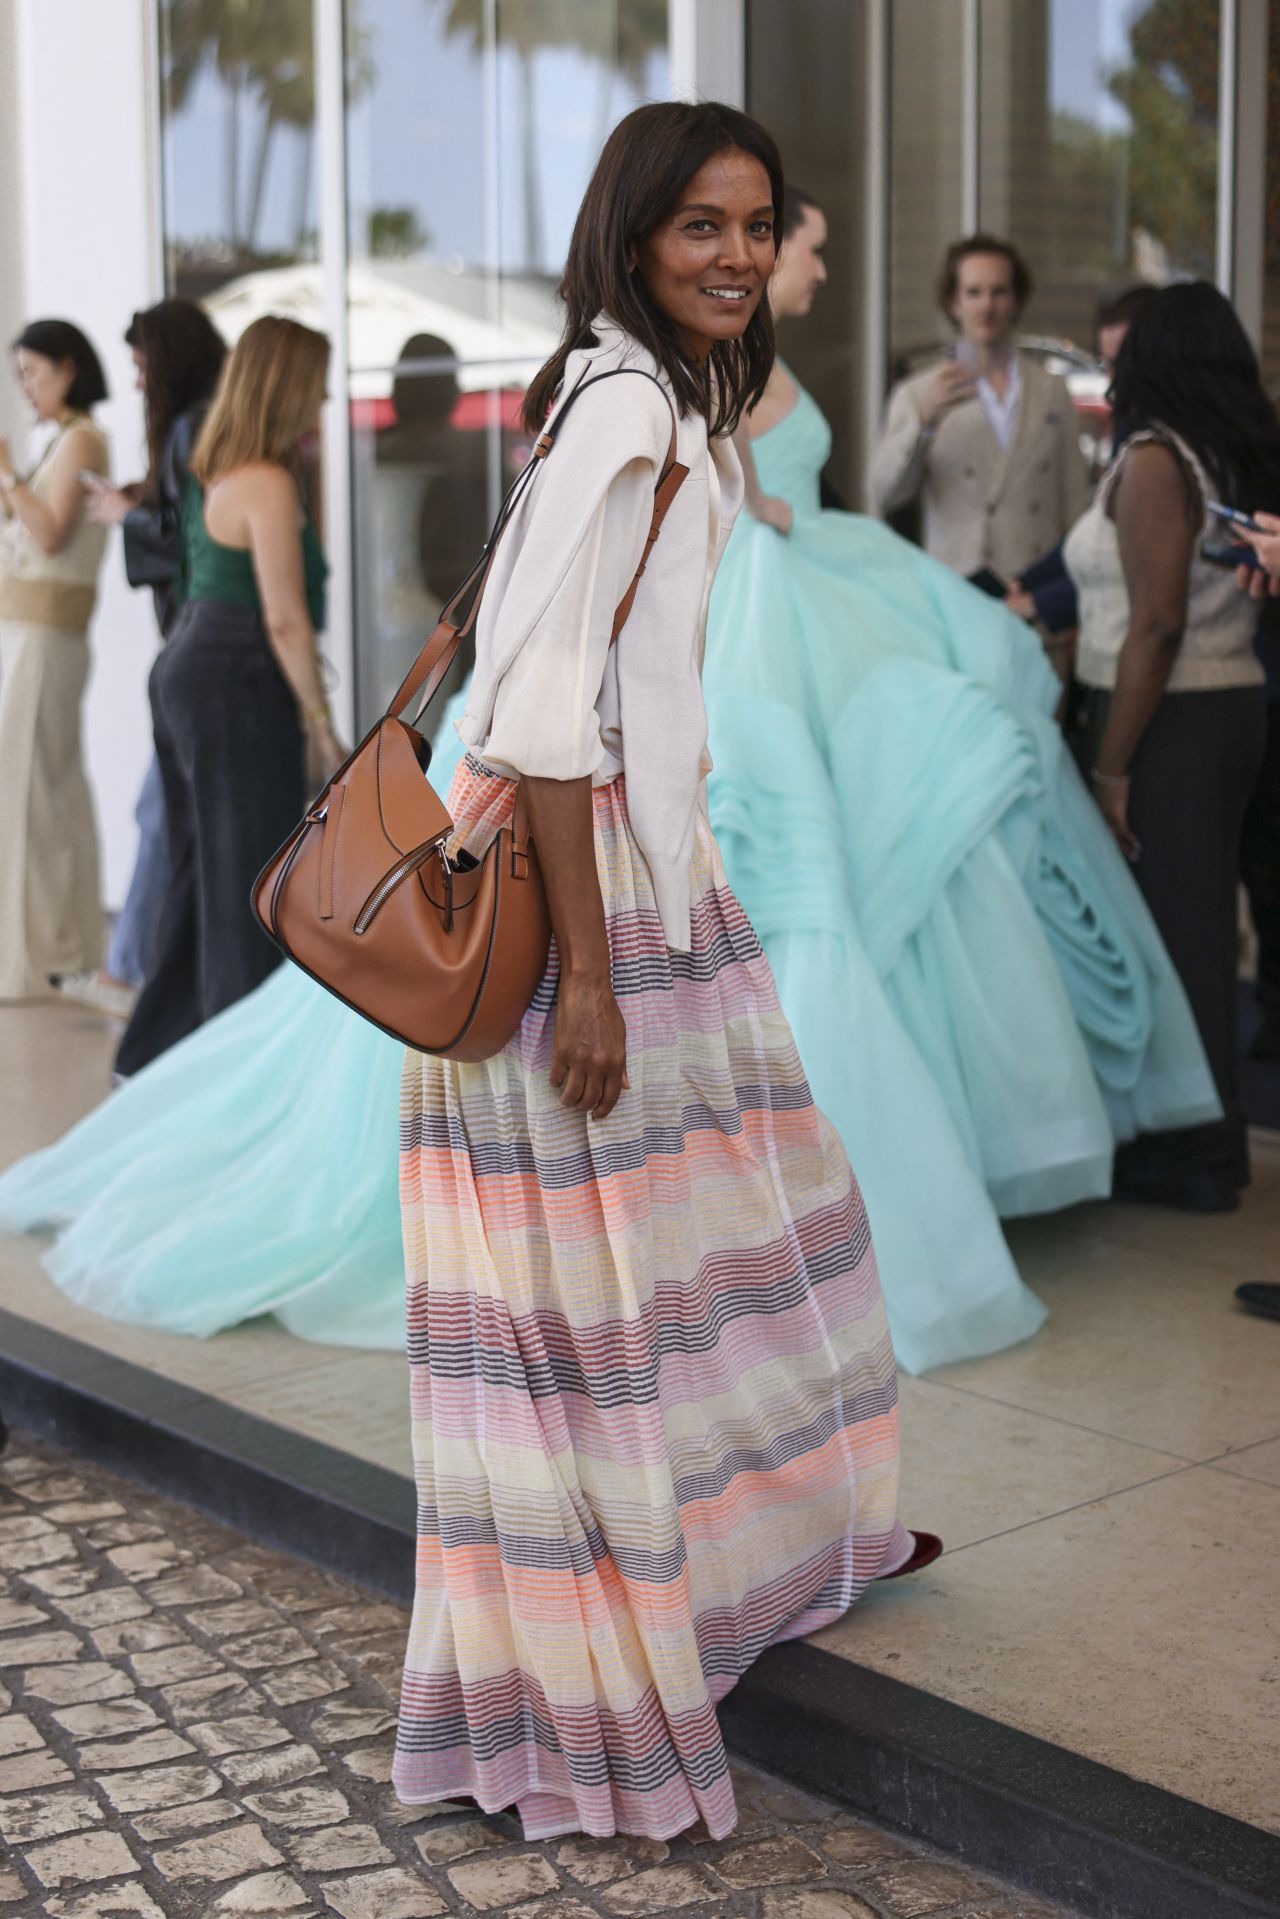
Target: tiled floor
(192,1726)
(1109,1493)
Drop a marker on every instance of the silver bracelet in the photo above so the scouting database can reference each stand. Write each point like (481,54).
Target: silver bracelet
(1109,779)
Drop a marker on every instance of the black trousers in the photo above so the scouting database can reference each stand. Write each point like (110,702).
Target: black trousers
(230,751)
(1260,867)
(1190,783)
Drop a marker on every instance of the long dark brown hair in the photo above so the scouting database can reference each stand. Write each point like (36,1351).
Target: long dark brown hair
(183,353)
(647,161)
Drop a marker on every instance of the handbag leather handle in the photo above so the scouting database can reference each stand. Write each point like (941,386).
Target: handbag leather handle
(458,617)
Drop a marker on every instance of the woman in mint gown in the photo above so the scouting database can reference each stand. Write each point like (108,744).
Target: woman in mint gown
(978,993)
(979,997)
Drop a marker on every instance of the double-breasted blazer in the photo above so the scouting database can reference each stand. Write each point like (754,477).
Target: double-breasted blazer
(984,505)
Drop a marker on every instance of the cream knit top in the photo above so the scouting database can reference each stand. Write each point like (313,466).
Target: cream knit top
(53,589)
(549,696)
(1217,641)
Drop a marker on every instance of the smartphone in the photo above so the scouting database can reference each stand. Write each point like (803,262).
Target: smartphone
(988,581)
(1233,516)
(1225,553)
(965,354)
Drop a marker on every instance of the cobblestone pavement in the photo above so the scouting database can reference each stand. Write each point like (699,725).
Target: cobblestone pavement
(192,1725)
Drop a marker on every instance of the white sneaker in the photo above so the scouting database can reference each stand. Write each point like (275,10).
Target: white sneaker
(102,994)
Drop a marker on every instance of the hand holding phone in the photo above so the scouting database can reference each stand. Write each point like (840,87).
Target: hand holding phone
(1230,553)
(1233,516)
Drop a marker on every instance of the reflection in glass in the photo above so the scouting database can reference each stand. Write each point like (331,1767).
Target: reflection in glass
(1099,145)
(238,126)
(804,68)
(421,486)
(926,209)
(472,128)
(1271,254)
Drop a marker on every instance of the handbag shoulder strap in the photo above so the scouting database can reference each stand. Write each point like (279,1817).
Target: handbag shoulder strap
(458,617)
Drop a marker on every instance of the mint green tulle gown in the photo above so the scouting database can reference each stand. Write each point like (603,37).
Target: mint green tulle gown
(253,1168)
(979,996)
(978,993)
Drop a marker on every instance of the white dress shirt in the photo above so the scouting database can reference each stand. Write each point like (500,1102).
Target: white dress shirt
(1001,409)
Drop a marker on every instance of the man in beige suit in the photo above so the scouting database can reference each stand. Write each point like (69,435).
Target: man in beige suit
(987,440)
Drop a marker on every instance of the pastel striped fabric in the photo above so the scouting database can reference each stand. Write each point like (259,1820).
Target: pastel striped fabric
(654,1399)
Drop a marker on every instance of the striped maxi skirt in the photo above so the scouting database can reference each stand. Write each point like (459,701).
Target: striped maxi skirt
(653,1394)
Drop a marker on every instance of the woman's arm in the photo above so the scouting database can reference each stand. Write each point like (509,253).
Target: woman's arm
(1157,525)
(589,1053)
(759,504)
(267,499)
(52,520)
(544,723)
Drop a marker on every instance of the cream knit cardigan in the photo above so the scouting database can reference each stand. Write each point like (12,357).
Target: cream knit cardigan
(549,697)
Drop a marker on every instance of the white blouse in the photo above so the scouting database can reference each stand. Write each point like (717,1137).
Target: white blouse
(549,696)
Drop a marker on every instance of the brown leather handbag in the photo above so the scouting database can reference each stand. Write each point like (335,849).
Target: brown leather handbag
(442,952)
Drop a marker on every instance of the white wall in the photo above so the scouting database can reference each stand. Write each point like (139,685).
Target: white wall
(89,251)
(12,425)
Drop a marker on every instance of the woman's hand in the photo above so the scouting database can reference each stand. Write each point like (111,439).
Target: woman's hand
(1112,794)
(1259,581)
(104,504)
(589,1050)
(771,512)
(1019,601)
(324,755)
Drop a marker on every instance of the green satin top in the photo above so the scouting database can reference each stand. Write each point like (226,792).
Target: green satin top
(211,571)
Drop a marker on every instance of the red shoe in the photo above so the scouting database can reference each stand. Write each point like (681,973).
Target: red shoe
(928,1548)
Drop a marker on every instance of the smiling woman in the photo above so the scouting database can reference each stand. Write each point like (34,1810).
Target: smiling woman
(654,1402)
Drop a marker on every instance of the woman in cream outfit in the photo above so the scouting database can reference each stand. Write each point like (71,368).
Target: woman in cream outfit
(50,553)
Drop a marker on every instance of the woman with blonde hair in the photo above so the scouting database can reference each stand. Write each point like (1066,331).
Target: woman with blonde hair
(50,911)
(237,697)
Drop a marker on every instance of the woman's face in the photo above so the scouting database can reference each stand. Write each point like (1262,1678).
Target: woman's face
(45,383)
(707,263)
(139,370)
(800,270)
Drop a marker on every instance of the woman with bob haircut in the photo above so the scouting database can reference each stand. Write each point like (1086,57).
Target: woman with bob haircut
(1175,724)
(50,911)
(653,1394)
(237,697)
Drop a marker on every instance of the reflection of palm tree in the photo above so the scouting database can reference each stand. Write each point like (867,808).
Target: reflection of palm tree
(225,32)
(267,53)
(620,38)
(1170,91)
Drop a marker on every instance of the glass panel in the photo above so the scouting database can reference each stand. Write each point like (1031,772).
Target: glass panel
(926,172)
(423,471)
(1099,146)
(1271,255)
(472,128)
(566,74)
(238,131)
(804,81)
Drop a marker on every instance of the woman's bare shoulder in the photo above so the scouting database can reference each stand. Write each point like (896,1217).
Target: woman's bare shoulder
(83,445)
(1154,481)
